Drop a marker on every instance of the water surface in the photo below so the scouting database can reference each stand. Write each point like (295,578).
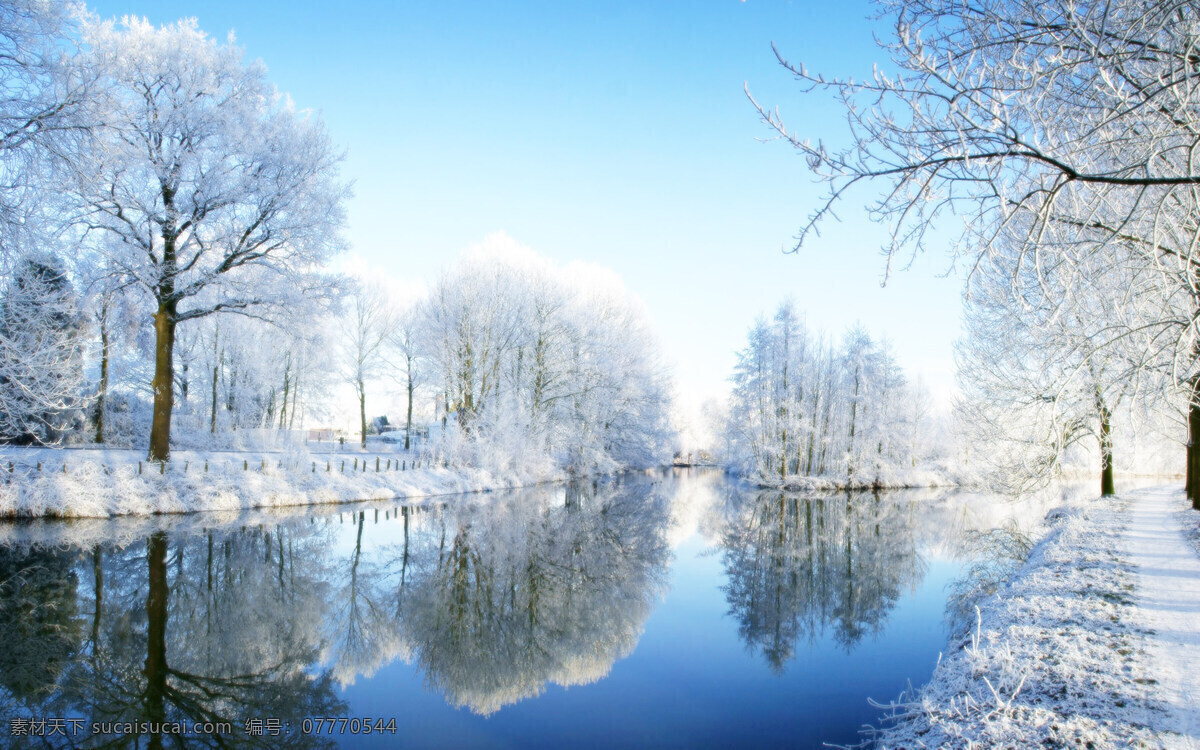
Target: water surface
(679,610)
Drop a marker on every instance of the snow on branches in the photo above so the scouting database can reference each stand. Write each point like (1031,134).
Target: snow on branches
(803,406)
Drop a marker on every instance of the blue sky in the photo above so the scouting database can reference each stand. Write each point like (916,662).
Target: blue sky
(616,133)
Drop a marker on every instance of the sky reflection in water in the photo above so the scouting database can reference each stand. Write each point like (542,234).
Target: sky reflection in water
(675,611)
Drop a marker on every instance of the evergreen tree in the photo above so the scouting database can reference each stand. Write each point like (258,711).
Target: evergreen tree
(41,357)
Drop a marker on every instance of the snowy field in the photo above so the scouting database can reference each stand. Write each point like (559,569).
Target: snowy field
(1095,642)
(89,483)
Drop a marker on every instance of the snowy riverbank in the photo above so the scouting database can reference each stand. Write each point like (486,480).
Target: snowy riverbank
(98,484)
(885,479)
(1093,642)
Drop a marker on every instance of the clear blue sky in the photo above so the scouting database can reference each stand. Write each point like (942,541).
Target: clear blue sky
(616,133)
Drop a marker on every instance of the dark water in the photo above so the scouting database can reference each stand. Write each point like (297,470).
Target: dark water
(669,611)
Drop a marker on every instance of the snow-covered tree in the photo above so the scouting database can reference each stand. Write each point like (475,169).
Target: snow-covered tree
(41,353)
(408,343)
(113,317)
(1060,131)
(370,321)
(207,186)
(44,107)
(553,362)
(801,407)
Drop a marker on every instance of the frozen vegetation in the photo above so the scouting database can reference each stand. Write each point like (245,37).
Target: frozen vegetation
(112,483)
(808,412)
(1090,642)
(171,228)
(1048,148)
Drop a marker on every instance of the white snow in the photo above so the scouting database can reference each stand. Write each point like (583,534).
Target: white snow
(1094,642)
(1168,601)
(103,483)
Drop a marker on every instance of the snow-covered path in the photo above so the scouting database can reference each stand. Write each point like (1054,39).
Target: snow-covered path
(1168,599)
(1094,641)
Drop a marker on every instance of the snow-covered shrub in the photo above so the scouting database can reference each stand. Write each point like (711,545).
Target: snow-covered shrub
(536,360)
(126,420)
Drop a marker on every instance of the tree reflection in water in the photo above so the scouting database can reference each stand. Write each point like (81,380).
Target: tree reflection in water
(38,611)
(799,566)
(492,602)
(500,602)
(210,628)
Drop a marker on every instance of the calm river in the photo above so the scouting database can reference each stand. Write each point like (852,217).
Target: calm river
(677,610)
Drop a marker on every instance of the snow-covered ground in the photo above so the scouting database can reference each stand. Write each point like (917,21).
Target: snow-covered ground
(1167,591)
(99,483)
(1094,642)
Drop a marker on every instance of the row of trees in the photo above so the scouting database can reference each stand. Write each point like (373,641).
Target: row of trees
(523,361)
(178,216)
(1061,139)
(175,179)
(1051,365)
(805,405)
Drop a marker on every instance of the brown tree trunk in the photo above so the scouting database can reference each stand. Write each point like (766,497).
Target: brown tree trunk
(102,391)
(156,633)
(164,382)
(1107,486)
(98,596)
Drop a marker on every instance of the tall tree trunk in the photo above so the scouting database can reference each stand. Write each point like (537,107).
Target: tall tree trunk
(362,410)
(1193,445)
(295,400)
(164,337)
(783,411)
(283,408)
(1107,486)
(164,380)
(408,418)
(98,596)
(156,633)
(102,391)
(853,418)
(212,422)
